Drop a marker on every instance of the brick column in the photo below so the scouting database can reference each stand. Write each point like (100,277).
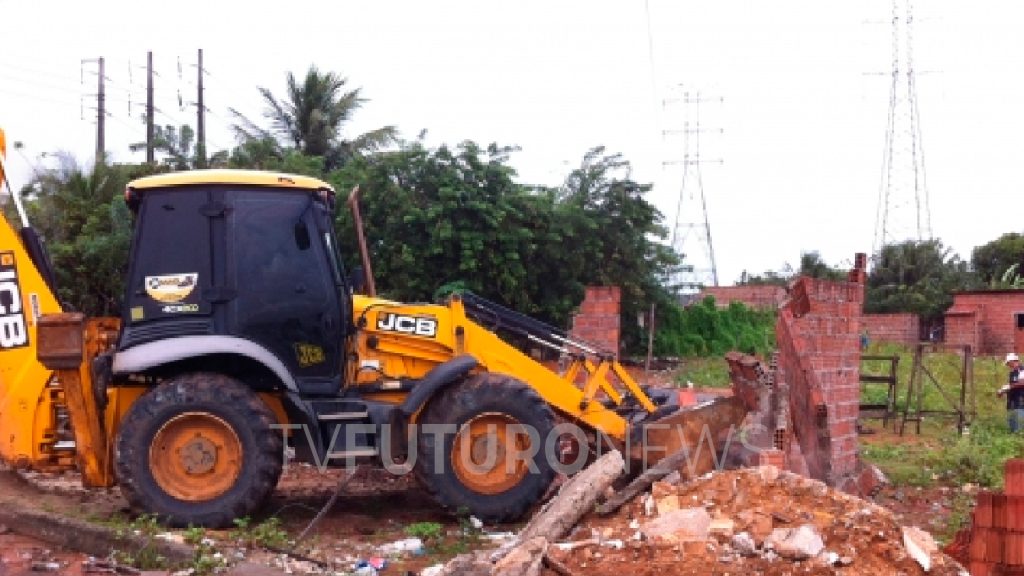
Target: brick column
(597,321)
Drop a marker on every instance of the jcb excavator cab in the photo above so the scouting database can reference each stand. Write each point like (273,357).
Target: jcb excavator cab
(233,265)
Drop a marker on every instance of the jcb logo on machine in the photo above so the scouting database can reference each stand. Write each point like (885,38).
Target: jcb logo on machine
(415,325)
(13,331)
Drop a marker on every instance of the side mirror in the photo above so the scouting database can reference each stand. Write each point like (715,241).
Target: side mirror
(357,280)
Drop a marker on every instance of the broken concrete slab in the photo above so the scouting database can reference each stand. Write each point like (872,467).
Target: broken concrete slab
(797,543)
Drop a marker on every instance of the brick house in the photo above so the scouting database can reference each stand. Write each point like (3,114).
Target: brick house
(900,328)
(990,321)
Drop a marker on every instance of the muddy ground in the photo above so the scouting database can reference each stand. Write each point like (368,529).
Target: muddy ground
(375,509)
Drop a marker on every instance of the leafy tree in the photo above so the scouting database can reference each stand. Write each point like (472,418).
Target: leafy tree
(917,277)
(310,118)
(178,145)
(812,265)
(610,230)
(83,219)
(1011,278)
(455,218)
(992,260)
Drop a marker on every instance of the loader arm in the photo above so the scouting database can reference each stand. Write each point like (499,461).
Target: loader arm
(28,401)
(46,379)
(398,351)
(400,341)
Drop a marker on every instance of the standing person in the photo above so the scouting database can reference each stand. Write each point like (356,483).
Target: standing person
(1014,391)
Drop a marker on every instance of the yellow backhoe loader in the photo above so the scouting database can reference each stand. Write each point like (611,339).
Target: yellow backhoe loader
(242,342)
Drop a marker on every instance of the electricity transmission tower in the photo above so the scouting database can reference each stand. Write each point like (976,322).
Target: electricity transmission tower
(691,233)
(903,205)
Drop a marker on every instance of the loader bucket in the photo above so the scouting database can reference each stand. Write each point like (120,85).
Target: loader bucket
(693,436)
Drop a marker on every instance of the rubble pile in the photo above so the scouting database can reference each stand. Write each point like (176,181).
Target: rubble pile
(750,521)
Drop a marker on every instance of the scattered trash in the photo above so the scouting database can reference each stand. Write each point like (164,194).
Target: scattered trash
(434,570)
(377,563)
(409,545)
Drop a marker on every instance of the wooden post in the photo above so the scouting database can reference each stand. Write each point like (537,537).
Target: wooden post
(364,253)
(650,340)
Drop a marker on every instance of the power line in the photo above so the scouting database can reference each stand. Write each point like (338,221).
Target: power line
(37,72)
(33,96)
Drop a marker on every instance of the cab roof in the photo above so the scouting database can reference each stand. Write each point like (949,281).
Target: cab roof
(222,176)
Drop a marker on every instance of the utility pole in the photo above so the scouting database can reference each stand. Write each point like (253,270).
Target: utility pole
(101,105)
(150,154)
(101,114)
(200,119)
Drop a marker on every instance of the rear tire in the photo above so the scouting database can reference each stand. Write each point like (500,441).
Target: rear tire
(199,449)
(454,467)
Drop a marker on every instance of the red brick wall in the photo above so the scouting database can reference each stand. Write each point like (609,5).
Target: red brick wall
(764,297)
(895,328)
(962,329)
(818,336)
(597,321)
(993,541)
(996,323)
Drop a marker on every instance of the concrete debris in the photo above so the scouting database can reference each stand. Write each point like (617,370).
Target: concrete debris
(687,524)
(920,545)
(797,543)
(407,545)
(743,544)
(434,570)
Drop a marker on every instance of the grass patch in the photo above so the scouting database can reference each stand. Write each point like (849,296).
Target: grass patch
(704,372)
(939,456)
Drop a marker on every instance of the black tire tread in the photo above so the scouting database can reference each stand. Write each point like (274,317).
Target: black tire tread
(202,390)
(458,402)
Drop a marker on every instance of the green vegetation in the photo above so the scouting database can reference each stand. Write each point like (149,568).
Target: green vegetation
(265,534)
(917,277)
(939,456)
(145,527)
(710,372)
(428,532)
(703,329)
(992,260)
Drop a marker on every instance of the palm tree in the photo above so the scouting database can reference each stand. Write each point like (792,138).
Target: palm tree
(310,119)
(178,147)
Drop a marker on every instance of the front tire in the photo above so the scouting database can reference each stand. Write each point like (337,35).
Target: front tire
(481,465)
(199,449)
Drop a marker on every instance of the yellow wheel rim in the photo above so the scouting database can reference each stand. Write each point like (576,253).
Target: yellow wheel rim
(487,453)
(195,457)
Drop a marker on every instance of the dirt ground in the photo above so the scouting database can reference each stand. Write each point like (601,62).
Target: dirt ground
(378,508)
(21,556)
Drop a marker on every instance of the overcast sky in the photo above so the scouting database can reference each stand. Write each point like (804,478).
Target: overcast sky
(802,119)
